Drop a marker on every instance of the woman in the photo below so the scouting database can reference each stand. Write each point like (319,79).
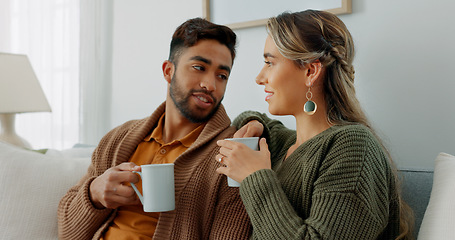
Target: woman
(332,178)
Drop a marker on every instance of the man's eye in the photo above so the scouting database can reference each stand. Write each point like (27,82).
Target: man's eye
(199,68)
(268,63)
(223,76)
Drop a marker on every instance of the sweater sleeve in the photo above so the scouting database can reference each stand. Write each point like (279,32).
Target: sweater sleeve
(349,197)
(279,138)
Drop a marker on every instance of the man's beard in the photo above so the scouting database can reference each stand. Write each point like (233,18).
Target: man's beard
(181,101)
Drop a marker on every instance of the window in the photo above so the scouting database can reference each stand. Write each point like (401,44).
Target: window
(48,32)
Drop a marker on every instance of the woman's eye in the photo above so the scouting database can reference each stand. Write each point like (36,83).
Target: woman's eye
(268,63)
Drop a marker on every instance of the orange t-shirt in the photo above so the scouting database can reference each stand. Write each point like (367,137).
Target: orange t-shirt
(132,222)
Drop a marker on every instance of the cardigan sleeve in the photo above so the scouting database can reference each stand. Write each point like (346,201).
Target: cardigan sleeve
(349,197)
(78,218)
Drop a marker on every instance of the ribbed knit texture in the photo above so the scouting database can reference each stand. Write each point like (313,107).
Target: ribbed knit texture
(206,208)
(337,185)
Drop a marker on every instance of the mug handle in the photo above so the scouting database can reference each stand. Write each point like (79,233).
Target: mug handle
(135,188)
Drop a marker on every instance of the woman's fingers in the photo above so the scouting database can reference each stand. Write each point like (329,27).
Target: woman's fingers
(252,129)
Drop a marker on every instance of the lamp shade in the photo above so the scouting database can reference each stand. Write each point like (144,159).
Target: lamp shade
(20,90)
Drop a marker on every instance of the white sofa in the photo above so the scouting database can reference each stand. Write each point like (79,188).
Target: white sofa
(439,219)
(32,184)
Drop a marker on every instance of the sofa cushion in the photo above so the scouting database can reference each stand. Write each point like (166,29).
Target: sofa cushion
(439,218)
(31,186)
(416,190)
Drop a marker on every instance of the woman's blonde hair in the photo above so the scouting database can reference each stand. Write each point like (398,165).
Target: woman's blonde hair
(312,35)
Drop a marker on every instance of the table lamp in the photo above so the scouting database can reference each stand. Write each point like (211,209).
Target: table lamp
(20,92)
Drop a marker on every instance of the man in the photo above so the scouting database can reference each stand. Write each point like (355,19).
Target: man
(183,130)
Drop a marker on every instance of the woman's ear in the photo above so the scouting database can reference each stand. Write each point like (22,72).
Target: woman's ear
(168,70)
(314,72)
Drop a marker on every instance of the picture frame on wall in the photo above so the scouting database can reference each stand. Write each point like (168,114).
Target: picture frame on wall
(251,13)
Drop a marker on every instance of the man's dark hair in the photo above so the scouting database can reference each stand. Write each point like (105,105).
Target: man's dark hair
(196,29)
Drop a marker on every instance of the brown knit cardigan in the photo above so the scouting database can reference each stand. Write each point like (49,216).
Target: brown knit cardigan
(206,208)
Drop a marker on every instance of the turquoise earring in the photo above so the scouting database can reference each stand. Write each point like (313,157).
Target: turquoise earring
(310,106)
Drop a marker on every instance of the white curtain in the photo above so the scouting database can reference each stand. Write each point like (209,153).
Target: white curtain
(48,32)
(95,69)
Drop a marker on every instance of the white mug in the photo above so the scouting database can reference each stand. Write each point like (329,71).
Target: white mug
(251,142)
(157,187)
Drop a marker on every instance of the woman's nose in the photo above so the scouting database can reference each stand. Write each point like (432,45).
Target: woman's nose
(261,78)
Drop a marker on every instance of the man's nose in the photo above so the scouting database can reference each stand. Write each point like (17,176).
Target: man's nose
(208,83)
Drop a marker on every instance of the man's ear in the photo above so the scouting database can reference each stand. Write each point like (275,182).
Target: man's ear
(168,70)
(314,72)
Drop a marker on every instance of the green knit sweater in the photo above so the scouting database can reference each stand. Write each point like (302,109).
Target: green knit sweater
(337,185)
